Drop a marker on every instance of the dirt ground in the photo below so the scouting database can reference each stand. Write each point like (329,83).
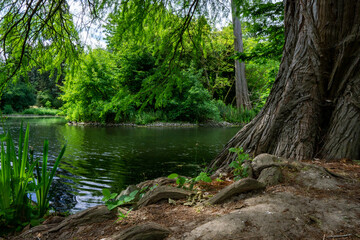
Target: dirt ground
(295,210)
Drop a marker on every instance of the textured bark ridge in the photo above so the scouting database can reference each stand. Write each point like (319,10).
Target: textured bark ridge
(145,231)
(241,186)
(314,107)
(162,192)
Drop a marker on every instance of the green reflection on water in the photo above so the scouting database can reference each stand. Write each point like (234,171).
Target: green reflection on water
(114,157)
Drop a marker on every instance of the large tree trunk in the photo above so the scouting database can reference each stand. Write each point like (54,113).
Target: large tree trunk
(241,89)
(314,107)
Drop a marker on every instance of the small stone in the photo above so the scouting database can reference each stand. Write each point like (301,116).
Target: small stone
(247,165)
(270,176)
(265,160)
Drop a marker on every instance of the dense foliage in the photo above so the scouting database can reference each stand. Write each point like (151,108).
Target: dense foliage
(34,89)
(135,79)
(18,97)
(169,63)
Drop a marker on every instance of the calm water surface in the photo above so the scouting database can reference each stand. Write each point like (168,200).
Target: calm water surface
(114,157)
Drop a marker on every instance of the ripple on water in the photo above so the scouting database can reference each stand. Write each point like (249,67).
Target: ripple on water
(114,157)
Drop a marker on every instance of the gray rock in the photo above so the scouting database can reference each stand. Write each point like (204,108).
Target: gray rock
(241,186)
(162,192)
(265,160)
(317,177)
(280,216)
(270,176)
(220,228)
(249,169)
(145,231)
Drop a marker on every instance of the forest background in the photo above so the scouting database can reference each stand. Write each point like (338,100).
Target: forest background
(151,73)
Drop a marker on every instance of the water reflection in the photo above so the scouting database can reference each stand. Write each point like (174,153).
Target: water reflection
(114,157)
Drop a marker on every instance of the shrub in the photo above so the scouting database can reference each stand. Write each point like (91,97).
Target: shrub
(239,170)
(8,109)
(19,96)
(231,114)
(41,111)
(191,101)
(143,118)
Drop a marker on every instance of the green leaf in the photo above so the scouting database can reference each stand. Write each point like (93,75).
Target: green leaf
(173,176)
(232,150)
(113,195)
(180,181)
(122,198)
(36,222)
(128,199)
(106,192)
(111,206)
(133,193)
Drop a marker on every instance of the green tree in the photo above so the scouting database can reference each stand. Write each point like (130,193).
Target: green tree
(263,21)
(19,96)
(38,33)
(92,86)
(46,84)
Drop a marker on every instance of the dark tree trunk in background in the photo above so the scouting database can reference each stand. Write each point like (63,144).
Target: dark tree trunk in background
(241,89)
(314,107)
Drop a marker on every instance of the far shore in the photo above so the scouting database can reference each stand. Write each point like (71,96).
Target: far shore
(158,124)
(129,124)
(30,116)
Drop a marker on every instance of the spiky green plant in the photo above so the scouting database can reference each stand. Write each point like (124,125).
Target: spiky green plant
(45,178)
(16,174)
(17,180)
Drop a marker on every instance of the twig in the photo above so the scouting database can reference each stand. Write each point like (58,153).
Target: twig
(340,236)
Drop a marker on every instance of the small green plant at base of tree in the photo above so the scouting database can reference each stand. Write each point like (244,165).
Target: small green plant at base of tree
(202,177)
(112,201)
(239,170)
(181,181)
(123,216)
(219,180)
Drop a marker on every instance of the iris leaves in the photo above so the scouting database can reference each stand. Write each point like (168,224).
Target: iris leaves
(17,180)
(44,179)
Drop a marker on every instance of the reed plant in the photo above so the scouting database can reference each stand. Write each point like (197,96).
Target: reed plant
(18,181)
(45,178)
(16,174)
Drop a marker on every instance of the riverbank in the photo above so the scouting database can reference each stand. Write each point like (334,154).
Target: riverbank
(158,124)
(154,124)
(283,199)
(30,116)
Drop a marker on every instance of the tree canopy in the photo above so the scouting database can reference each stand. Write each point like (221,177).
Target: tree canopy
(35,34)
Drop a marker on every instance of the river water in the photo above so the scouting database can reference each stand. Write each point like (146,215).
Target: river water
(115,157)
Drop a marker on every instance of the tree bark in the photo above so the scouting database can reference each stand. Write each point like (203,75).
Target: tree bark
(241,89)
(314,106)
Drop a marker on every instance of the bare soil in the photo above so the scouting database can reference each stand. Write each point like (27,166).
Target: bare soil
(317,214)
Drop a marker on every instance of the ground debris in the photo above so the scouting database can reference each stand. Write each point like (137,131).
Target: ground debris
(290,209)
